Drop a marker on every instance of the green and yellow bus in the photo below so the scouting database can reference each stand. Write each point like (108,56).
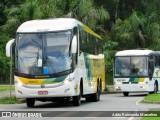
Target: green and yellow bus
(57,59)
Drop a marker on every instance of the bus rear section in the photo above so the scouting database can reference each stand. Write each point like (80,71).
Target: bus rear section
(135,71)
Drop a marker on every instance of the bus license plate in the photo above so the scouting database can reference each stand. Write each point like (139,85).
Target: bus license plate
(42,92)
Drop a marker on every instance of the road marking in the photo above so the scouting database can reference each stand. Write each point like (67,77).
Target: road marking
(137,103)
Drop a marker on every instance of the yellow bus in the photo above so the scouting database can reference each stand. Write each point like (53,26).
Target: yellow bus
(57,59)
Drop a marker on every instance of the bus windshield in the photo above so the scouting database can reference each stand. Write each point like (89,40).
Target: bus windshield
(131,66)
(43,53)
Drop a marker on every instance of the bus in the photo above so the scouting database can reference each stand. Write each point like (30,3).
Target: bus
(59,59)
(137,71)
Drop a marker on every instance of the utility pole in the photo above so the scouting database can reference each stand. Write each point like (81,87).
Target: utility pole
(11,73)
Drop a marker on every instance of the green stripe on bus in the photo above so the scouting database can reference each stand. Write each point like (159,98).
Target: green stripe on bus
(57,79)
(134,79)
(88,66)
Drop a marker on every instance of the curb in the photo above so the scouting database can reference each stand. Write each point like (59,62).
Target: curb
(150,101)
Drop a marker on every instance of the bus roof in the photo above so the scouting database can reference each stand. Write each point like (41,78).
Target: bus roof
(134,52)
(51,25)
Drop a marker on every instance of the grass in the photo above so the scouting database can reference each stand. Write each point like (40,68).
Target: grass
(152,118)
(152,98)
(8,100)
(6,88)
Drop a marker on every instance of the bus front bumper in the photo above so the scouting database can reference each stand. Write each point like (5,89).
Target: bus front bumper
(131,88)
(68,89)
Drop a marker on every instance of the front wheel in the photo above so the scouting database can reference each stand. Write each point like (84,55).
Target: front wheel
(76,100)
(30,102)
(125,93)
(88,98)
(155,89)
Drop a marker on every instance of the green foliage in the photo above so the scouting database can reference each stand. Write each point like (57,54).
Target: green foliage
(109,51)
(84,10)
(153,97)
(29,10)
(4,62)
(6,88)
(152,115)
(8,100)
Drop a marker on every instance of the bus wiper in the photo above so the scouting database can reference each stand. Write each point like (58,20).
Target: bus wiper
(66,72)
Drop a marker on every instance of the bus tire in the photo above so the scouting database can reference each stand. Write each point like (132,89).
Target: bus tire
(30,102)
(125,93)
(151,92)
(88,99)
(155,88)
(96,96)
(76,100)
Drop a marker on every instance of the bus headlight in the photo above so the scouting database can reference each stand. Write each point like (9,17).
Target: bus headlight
(68,80)
(19,83)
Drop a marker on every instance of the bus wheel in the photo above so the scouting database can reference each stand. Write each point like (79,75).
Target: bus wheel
(30,102)
(125,93)
(88,98)
(76,100)
(96,96)
(155,88)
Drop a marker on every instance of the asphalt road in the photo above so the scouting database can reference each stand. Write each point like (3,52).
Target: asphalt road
(108,102)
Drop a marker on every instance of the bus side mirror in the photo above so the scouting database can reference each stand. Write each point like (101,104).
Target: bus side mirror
(9,48)
(74,45)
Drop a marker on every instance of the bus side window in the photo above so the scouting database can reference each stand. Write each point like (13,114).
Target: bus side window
(159,60)
(82,40)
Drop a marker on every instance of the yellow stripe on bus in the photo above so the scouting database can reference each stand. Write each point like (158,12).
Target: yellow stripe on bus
(141,80)
(31,81)
(91,31)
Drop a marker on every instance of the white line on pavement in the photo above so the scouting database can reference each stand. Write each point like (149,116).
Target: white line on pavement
(137,103)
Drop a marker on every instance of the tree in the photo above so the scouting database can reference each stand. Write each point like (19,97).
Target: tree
(4,62)
(85,11)
(7,4)
(124,24)
(30,10)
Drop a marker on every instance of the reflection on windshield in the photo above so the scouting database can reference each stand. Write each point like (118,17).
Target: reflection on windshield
(131,66)
(43,53)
